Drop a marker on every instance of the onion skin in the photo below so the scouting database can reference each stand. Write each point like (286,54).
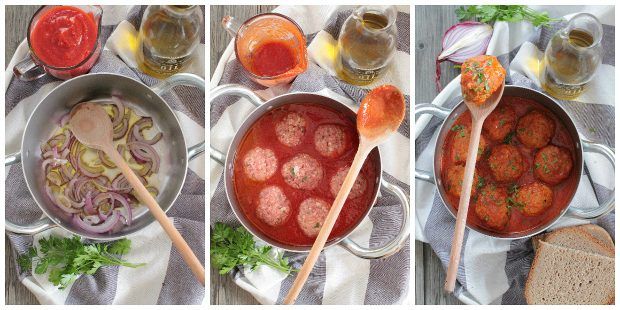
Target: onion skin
(461,42)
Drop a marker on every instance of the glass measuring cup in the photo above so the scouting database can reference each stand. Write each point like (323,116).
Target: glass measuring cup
(270,47)
(572,57)
(34,67)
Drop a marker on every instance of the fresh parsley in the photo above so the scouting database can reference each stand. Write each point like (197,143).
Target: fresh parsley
(507,13)
(68,258)
(232,247)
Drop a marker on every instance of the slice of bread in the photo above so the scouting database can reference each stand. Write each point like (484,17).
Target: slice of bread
(599,233)
(561,275)
(578,238)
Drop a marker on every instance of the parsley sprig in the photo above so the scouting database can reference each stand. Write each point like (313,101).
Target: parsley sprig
(68,258)
(232,247)
(508,13)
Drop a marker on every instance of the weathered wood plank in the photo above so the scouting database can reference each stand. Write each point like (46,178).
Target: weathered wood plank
(16,25)
(430,24)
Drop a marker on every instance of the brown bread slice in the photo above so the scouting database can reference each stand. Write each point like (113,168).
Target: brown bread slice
(600,234)
(578,238)
(561,275)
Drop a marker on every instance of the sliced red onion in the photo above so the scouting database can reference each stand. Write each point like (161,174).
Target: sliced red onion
(141,125)
(112,196)
(65,143)
(145,152)
(119,111)
(92,219)
(86,170)
(88,205)
(121,130)
(50,195)
(105,160)
(64,120)
(104,227)
(461,42)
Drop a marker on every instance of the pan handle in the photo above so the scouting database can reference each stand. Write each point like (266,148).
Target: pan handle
(395,244)
(234,90)
(12,159)
(442,113)
(179,79)
(195,150)
(30,229)
(607,206)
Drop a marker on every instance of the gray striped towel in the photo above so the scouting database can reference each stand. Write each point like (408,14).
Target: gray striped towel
(338,277)
(165,279)
(494,271)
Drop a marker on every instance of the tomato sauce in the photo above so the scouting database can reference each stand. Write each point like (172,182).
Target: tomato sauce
(562,192)
(64,36)
(263,134)
(273,58)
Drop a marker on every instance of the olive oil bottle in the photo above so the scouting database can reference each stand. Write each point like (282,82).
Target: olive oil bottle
(168,37)
(366,44)
(572,57)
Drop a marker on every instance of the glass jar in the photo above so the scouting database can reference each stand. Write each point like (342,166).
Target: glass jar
(366,44)
(572,57)
(168,37)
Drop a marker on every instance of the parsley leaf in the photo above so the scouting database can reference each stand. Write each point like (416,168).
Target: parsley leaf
(507,13)
(232,247)
(68,258)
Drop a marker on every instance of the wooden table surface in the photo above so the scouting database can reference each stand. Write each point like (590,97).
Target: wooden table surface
(223,290)
(16,25)
(430,24)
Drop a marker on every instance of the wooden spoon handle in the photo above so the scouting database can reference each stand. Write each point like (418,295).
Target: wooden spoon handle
(362,152)
(147,199)
(461,216)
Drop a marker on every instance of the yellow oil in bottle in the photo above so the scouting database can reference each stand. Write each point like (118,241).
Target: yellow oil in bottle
(366,45)
(168,37)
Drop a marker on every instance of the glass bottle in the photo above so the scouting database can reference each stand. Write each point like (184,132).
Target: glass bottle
(366,44)
(572,57)
(168,37)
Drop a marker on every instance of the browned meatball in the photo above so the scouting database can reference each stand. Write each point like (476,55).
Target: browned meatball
(500,123)
(460,143)
(534,198)
(454,181)
(535,129)
(553,164)
(491,207)
(506,163)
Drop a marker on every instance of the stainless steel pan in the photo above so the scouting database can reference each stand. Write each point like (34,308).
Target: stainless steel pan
(227,161)
(148,101)
(581,145)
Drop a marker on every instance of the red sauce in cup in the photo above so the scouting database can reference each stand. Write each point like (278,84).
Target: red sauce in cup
(273,58)
(64,36)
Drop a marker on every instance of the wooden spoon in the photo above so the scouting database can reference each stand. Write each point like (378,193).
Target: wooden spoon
(380,115)
(92,126)
(479,113)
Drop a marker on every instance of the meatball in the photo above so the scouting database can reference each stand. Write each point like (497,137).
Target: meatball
(506,163)
(259,164)
(273,206)
(330,140)
(454,181)
(553,164)
(491,207)
(302,172)
(312,214)
(291,129)
(535,129)
(358,189)
(500,123)
(534,198)
(460,143)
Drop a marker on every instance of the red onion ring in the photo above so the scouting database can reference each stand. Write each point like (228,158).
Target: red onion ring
(119,111)
(104,227)
(145,152)
(121,130)
(141,125)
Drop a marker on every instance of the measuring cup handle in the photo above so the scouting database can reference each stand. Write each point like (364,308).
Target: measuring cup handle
(28,70)
(606,206)
(442,113)
(395,244)
(231,25)
(179,79)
